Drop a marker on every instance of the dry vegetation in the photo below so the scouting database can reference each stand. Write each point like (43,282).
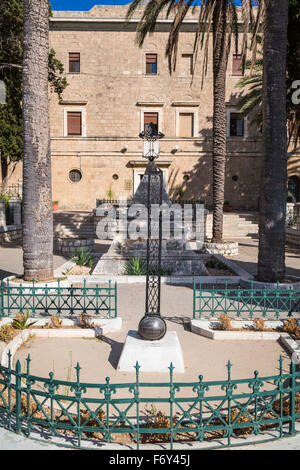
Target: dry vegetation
(155,419)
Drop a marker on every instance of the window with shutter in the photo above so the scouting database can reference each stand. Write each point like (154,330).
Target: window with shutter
(150,117)
(151,63)
(186,125)
(74,62)
(237,64)
(187,60)
(74,123)
(236,125)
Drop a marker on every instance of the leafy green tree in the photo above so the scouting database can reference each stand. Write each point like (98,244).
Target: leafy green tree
(11,56)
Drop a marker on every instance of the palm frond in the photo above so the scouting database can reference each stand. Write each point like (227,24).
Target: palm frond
(249,102)
(172,44)
(255,80)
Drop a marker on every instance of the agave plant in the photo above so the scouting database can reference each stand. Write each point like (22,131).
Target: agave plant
(20,322)
(83,257)
(135,267)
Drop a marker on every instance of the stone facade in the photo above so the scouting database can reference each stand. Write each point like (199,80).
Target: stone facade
(113,91)
(70,245)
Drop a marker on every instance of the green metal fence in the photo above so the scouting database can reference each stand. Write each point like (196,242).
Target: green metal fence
(214,413)
(58,300)
(245,304)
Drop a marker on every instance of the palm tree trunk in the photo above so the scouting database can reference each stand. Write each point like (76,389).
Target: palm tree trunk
(273,195)
(219,116)
(37,193)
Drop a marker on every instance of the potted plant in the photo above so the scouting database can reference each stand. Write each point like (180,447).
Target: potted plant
(227,207)
(55,205)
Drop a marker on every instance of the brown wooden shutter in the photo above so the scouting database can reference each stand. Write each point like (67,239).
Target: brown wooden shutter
(186,125)
(237,64)
(74,62)
(151,117)
(151,58)
(74,123)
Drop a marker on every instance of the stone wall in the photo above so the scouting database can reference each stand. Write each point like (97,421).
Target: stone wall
(10,233)
(70,245)
(113,91)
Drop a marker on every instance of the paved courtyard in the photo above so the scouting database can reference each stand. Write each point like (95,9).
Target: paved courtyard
(202,356)
(11,258)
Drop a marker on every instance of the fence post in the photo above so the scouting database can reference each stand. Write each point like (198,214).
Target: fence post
(194,302)
(116,300)
(1,300)
(292,410)
(18,398)
(109,298)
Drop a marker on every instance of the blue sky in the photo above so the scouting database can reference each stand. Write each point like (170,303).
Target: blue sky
(87,4)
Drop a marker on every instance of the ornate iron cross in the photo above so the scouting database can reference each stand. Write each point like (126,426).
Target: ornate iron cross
(152,326)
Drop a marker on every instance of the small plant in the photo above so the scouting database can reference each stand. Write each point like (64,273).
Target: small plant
(214,263)
(69,373)
(86,321)
(135,267)
(225,323)
(292,327)
(243,418)
(7,333)
(110,193)
(158,420)
(259,324)
(67,272)
(83,257)
(92,421)
(55,322)
(21,321)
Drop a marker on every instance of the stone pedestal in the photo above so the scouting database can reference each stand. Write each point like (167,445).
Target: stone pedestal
(152,356)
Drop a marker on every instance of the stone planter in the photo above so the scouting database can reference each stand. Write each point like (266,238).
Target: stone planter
(70,245)
(248,283)
(225,249)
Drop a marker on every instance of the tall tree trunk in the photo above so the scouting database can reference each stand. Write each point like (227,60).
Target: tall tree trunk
(273,195)
(4,174)
(219,116)
(37,193)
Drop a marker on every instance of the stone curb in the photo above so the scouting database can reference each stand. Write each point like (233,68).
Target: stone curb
(105,326)
(203,328)
(247,284)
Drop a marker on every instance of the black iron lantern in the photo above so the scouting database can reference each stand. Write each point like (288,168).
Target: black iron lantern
(152,326)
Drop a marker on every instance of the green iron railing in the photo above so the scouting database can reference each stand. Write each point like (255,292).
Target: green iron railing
(245,304)
(214,413)
(58,300)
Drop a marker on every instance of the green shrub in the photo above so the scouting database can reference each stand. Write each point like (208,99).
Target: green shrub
(20,322)
(83,257)
(135,267)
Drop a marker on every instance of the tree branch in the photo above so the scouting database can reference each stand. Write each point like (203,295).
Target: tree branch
(10,66)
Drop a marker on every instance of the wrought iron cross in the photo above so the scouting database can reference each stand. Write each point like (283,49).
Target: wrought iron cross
(152,326)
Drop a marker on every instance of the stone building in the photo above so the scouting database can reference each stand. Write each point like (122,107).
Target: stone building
(115,88)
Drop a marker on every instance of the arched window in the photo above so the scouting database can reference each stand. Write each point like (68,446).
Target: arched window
(294,189)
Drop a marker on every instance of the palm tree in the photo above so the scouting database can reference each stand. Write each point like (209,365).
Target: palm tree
(37,193)
(221,16)
(253,81)
(271,258)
